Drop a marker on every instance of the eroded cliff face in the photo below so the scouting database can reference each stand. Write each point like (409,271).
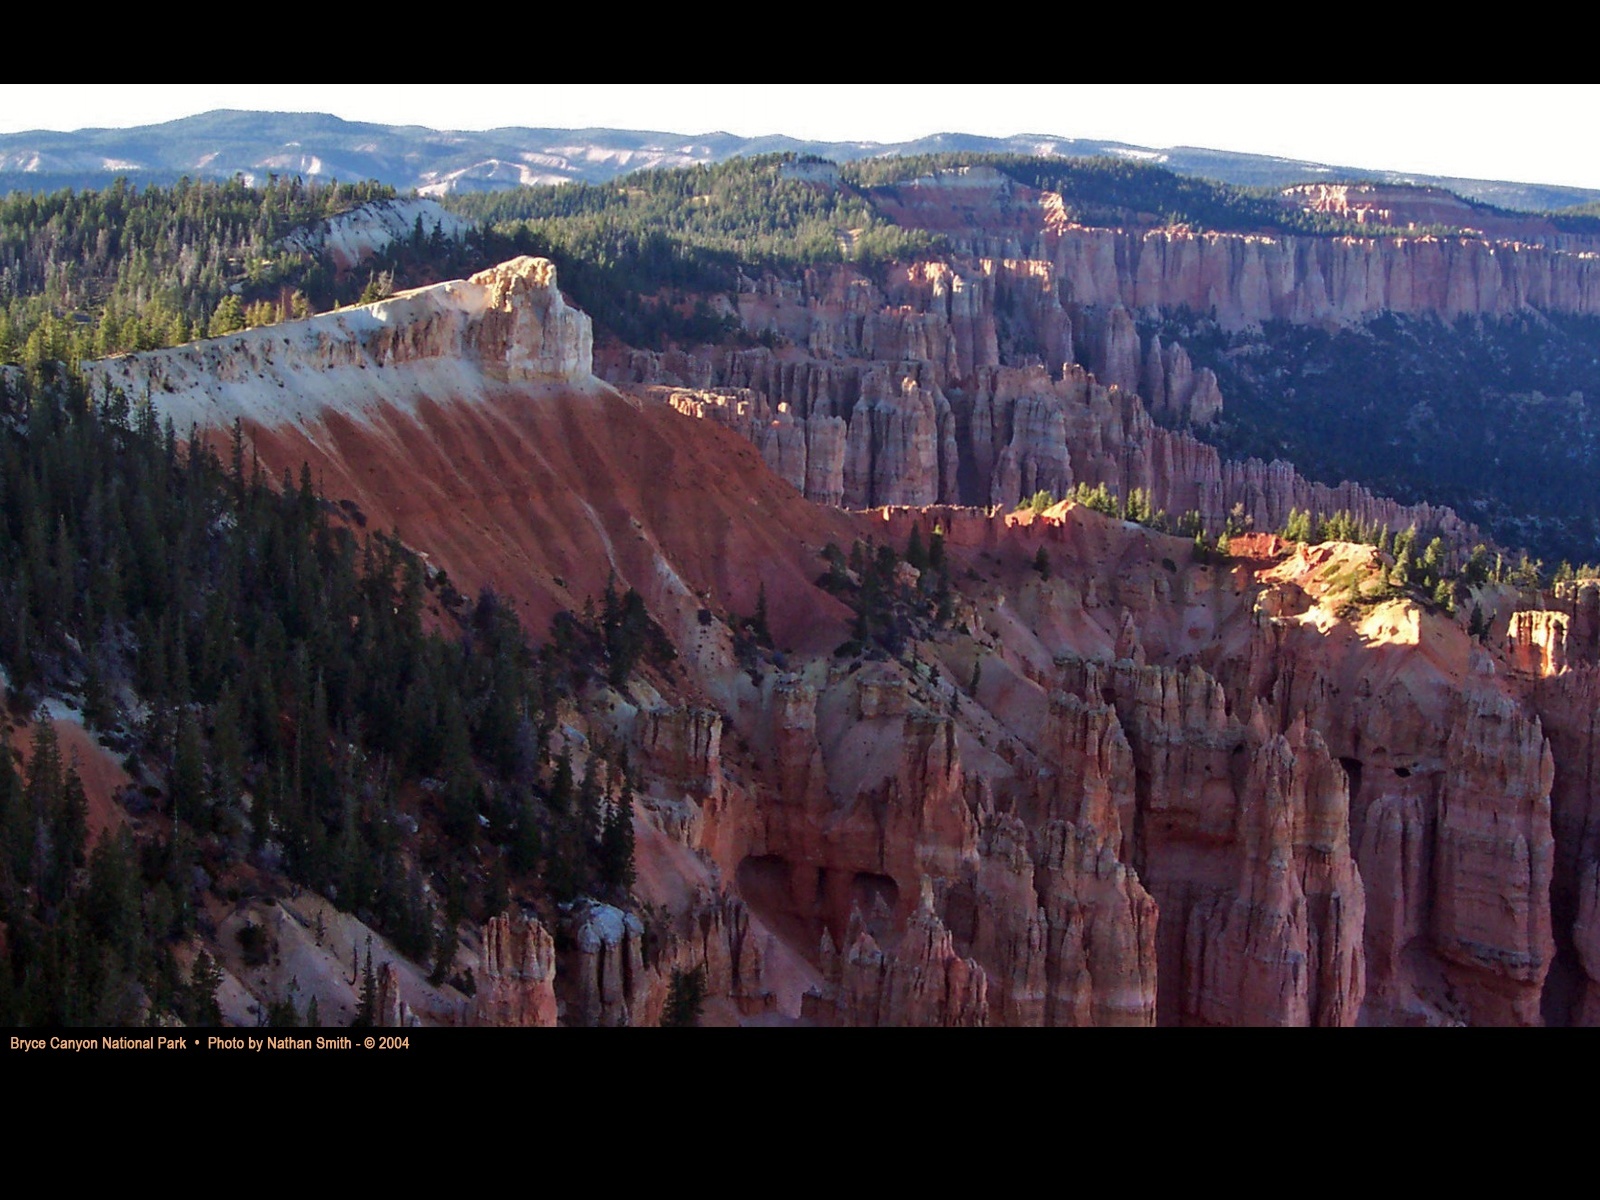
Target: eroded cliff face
(516,975)
(1569,710)
(955,383)
(1133,790)
(1245,281)
(1503,268)
(883,390)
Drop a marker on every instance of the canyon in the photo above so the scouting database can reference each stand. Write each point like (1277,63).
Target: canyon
(1141,787)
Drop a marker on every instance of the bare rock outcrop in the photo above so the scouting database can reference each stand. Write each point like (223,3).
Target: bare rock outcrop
(1173,389)
(1537,643)
(923,984)
(1248,280)
(904,396)
(1580,602)
(1494,860)
(510,323)
(682,748)
(1285,947)
(717,940)
(526,324)
(516,976)
(352,238)
(1569,711)
(392,1010)
(602,977)
(1062,925)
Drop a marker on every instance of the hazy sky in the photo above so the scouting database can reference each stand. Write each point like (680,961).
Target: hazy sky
(1537,133)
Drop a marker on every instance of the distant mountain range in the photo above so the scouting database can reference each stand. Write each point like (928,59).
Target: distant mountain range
(222,144)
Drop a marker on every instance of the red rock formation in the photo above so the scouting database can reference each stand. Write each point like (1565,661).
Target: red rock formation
(1250,280)
(1285,948)
(1580,602)
(602,977)
(1063,928)
(1117,361)
(1537,643)
(891,433)
(393,1011)
(717,940)
(1494,860)
(923,984)
(1569,710)
(682,748)
(1403,207)
(1172,388)
(516,976)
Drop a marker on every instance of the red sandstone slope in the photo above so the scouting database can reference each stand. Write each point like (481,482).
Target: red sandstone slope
(544,494)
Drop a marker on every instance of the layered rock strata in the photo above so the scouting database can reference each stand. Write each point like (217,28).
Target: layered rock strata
(958,386)
(1244,281)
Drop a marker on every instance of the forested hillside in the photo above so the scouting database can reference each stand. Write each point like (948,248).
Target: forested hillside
(87,274)
(289,690)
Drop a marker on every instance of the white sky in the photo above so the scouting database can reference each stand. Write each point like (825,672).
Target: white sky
(1536,133)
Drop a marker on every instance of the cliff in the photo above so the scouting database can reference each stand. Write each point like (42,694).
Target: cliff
(868,438)
(954,382)
(1244,281)
(508,326)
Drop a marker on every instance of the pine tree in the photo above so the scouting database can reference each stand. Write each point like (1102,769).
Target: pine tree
(617,845)
(562,787)
(204,980)
(227,319)
(916,555)
(367,1008)
(444,960)
(763,630)
(685,1000)
(1480,626)
(188,785)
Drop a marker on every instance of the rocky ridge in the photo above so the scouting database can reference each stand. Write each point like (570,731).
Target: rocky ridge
(506,326)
